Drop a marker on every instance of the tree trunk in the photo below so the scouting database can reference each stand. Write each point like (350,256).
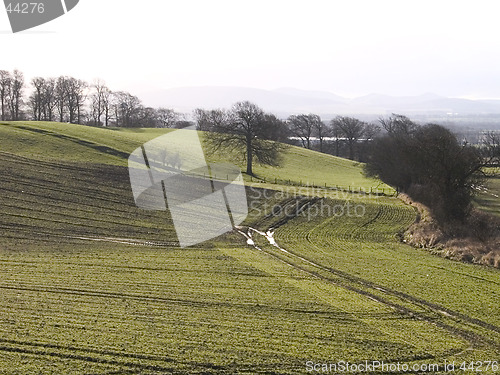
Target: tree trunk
(249,156)
(106,117)
(351,151)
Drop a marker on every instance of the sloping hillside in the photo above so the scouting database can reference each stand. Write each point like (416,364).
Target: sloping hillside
(91,284)
(77,143)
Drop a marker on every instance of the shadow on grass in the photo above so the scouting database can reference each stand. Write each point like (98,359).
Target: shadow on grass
(100,148)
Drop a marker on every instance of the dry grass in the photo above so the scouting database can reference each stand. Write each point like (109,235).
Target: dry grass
(475,241)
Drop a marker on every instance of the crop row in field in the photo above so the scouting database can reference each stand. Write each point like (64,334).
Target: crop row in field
(367,247)
(195,310)
(92,284)
(41,199)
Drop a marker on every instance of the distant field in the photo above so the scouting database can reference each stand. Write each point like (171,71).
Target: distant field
(93,285)
(489,198)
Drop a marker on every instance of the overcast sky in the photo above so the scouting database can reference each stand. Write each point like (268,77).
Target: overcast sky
(348,47)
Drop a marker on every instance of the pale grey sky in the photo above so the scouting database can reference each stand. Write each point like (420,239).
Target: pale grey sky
(349,47)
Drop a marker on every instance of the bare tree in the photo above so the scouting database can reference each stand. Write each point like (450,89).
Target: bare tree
(303,126)
(5,86)
(127,108)
(351,129)
(167,118)
(432,167)
(61,97)
(275,129)
(369,134)
(208,120)
(49,103)
(37,97)
(202,120)
(75,92)
(246,131)
(398,125)
(491,149)
(321,130)
(16,94)
(107,96)
(336,134)
(42,100)
(99,103)
(147,118)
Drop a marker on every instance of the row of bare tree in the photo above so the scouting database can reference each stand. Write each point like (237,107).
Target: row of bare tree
(341,131)
(67,99)
(342,136)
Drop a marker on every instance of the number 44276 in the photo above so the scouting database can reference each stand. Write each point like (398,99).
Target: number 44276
(26,8)
(480,366)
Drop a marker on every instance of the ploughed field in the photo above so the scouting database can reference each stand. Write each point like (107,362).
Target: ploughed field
(91,284)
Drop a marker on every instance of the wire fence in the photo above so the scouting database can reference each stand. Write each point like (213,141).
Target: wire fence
(384,191)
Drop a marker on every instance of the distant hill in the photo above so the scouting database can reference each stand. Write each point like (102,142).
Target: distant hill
(286,101)
(282,102)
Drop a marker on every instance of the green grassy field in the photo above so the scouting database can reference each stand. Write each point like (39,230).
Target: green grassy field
(488,199)
(93,285)
(79,143)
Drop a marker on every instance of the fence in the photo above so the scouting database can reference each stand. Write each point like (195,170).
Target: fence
(350,189)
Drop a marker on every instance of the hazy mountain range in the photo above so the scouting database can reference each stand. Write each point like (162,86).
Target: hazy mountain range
(286,101)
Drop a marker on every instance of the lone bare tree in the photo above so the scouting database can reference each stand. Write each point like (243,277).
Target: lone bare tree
(246,130)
